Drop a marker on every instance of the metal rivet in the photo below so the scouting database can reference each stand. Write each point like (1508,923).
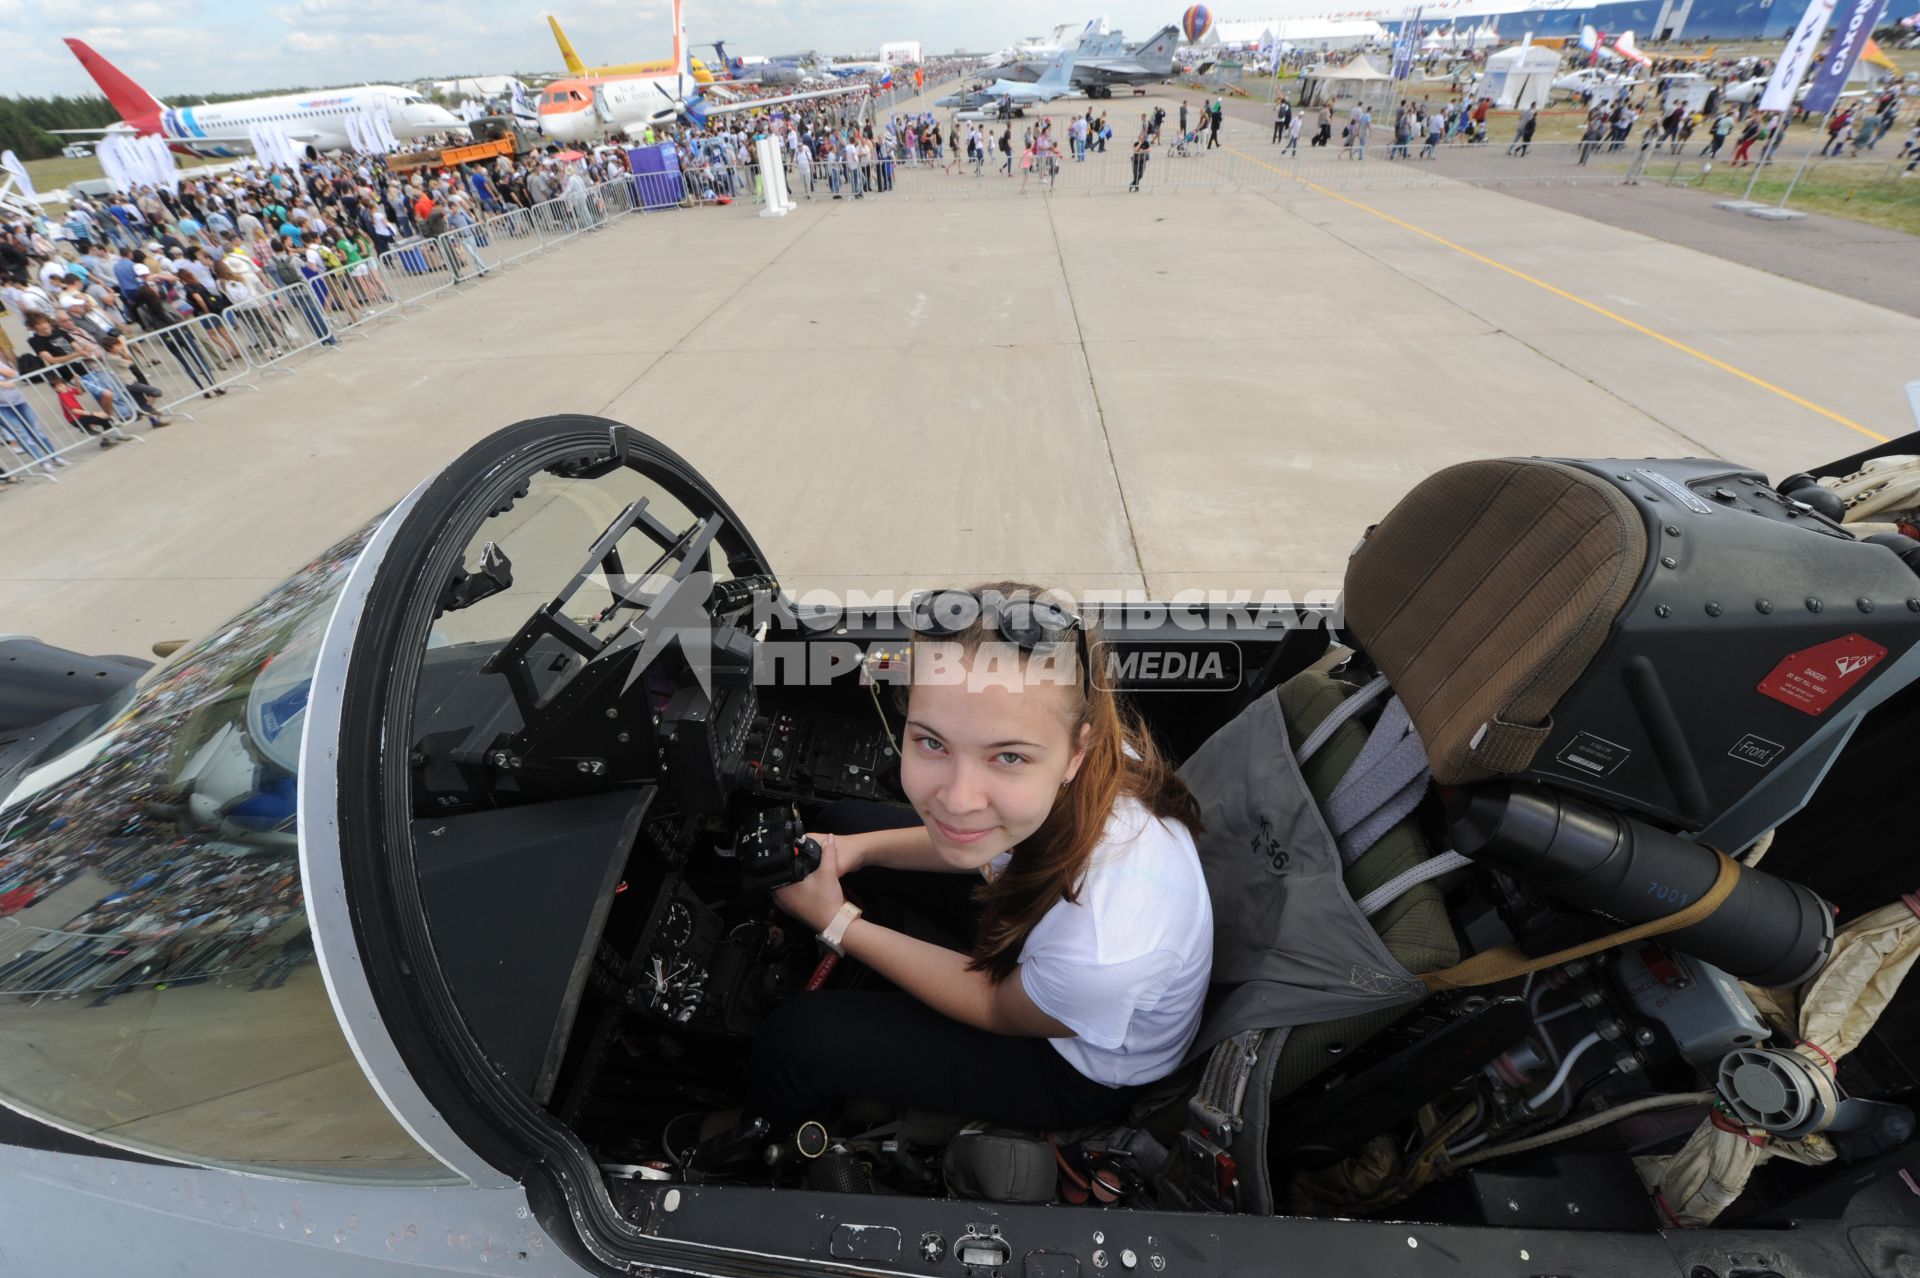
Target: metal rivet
(1661,610)
(1099,1260)
(1864,604)
(1158,1262)
(1127,1259)
(670,1201)
(1671,530)
(1653,497)
(1913,605)
(1814,605)
(1573,1209)
(1763,605)
(1713,609)
(1668,561)
(1098,1237)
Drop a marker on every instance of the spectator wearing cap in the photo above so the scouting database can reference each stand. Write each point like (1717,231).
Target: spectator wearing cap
(84,317)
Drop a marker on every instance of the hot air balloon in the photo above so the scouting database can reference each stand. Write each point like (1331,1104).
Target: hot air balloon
(1196,22)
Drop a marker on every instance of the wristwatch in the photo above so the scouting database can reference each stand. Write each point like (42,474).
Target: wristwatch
(834,935)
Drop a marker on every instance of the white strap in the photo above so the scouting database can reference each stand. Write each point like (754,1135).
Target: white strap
(1353,705)
(1392,890)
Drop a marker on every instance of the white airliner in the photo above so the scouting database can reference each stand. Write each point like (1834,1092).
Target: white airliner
(588,107)
(318,120)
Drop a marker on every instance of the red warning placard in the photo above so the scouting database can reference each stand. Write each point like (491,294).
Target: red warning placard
(1814,678)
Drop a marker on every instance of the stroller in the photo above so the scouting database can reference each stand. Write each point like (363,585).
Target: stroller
(1187,144)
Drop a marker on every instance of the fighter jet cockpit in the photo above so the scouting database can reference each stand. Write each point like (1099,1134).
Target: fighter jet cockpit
(417,902)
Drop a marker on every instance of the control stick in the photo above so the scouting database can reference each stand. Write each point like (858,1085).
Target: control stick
(773,850)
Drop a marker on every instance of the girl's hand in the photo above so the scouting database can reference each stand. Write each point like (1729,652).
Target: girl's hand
(815,899)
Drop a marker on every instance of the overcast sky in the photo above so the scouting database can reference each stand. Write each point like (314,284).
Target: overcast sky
(180,46)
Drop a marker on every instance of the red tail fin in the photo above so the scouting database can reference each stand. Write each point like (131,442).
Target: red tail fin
(129,99)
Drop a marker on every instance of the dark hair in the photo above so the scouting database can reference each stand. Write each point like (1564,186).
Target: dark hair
(1121,761)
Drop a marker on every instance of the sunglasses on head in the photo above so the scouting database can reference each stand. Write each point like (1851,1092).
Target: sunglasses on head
(1025,621)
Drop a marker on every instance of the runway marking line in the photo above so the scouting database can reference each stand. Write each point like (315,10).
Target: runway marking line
(1577,300)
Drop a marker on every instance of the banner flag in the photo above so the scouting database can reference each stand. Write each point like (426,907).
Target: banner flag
(1409,47)
(1851,34)
(11,163)
(1793,63)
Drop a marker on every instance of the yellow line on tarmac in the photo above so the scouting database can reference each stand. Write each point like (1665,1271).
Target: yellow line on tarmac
(1577,300)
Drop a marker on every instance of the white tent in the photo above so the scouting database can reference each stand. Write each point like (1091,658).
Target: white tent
(1520,77)
(1358,80)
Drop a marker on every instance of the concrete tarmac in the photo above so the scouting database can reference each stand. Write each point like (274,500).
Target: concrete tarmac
(1216,389)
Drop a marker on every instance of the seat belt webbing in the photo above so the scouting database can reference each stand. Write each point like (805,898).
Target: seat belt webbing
(1360,700)
(1398,886)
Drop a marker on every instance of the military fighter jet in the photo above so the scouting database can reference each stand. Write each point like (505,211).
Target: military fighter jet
(388,928)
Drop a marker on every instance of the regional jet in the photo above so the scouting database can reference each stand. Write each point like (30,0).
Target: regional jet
(317,120)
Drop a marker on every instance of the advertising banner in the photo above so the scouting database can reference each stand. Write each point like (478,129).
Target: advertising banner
(1851,31)
(1793,63)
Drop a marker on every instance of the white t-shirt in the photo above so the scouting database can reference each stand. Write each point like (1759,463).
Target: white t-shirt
(1125,967)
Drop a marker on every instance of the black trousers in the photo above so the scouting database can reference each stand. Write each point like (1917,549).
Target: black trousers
(819,1048)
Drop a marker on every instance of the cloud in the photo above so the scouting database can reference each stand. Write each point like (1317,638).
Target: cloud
(308,42)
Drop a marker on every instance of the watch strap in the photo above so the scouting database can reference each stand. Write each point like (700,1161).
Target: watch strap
(834,935)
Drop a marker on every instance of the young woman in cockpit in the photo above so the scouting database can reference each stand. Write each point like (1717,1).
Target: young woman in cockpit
(1084,977)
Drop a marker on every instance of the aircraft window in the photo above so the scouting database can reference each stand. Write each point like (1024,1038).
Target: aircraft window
(545,535)
(158,987)
(558,95)
(491,675)
(576,95)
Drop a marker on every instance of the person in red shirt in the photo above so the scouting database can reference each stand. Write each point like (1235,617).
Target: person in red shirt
(76,414)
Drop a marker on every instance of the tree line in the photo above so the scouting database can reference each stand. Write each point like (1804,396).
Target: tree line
(26,124)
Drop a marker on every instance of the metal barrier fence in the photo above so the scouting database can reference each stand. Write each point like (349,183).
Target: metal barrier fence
(51,416)
(149,377)
(203,357)
(193,358)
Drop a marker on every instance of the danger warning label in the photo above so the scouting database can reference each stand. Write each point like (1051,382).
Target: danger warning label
(1814,678)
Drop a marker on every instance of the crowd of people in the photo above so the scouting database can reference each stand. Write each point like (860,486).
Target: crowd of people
(114,879)
(250,263)
(246,265)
